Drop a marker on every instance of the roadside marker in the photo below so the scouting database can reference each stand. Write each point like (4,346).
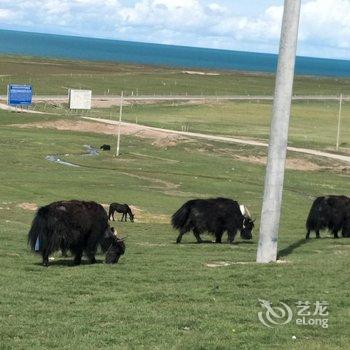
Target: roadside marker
(120,120)
(339,121)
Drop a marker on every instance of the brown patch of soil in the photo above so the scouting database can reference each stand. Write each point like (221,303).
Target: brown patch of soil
(107,103)
(169,141)
(143,216)
(162,138)
(28,206)
(146,217)
(291,163)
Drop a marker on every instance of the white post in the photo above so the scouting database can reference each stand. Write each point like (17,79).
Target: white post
(120,120)
(339,121)
(271,208)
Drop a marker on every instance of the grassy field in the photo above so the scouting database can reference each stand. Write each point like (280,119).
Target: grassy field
(55,77)
(161,295)
(313,124)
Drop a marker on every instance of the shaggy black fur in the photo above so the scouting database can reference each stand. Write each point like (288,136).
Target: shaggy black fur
(329,212)
(214,215)
(114,248)
(105,147)
(120,208)
(72,225)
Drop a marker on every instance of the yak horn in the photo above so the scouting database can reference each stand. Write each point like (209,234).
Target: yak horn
(247,213)
(244,210)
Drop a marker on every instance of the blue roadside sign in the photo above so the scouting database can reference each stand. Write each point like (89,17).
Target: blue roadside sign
(19,95)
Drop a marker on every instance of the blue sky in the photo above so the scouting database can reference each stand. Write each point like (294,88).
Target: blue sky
(248,25)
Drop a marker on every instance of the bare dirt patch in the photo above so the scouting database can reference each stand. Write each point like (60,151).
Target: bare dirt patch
(147,217)
(169,141)
(162,138)
(143,216)
(28,206)
(107,102)
(291,163)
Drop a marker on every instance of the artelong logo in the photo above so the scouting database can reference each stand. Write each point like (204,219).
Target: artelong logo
(272,316)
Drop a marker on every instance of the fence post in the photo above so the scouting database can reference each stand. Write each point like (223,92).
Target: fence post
(120,120)
(339,121)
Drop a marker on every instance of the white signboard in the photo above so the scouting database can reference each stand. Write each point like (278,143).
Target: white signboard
(79,99)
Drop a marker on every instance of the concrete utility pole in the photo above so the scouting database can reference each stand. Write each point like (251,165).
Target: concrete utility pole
(120,120)
(339,121)
(271,208)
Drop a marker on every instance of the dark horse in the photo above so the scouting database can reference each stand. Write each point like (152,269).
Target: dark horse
(120,208)
(77,226)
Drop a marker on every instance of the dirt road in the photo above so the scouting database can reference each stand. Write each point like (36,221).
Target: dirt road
(335,156)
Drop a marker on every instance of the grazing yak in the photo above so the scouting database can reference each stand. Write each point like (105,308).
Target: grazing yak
(120,208)
(329,212)
(214,215)
(77,226)
(105,147)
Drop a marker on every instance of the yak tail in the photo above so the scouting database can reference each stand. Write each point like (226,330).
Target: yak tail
(36,234)
(313,217)
(179,219)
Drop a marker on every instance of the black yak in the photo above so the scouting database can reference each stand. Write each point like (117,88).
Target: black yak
(329,212)
(346,227)
(105,147)
(114,248)
(74,225)
(120,208)
(214,215)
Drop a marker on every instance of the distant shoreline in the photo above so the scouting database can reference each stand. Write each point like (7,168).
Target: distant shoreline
(51,46)
(185,70)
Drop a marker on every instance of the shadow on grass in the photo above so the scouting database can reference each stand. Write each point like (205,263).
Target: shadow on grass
(68,263)
(213,242)
(289,250)
(196,243)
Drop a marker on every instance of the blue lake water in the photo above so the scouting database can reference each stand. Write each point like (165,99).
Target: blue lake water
(61,46)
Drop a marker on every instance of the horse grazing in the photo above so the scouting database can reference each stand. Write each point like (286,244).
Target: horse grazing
(120,208)
(214,215)
(74,225)
(329,212)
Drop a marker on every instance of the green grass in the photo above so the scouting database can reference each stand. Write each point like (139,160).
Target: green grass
(161,295)
(55,77)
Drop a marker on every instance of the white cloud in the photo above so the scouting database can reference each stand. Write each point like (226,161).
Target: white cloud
(6,14)
(324,30)
(326,22)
